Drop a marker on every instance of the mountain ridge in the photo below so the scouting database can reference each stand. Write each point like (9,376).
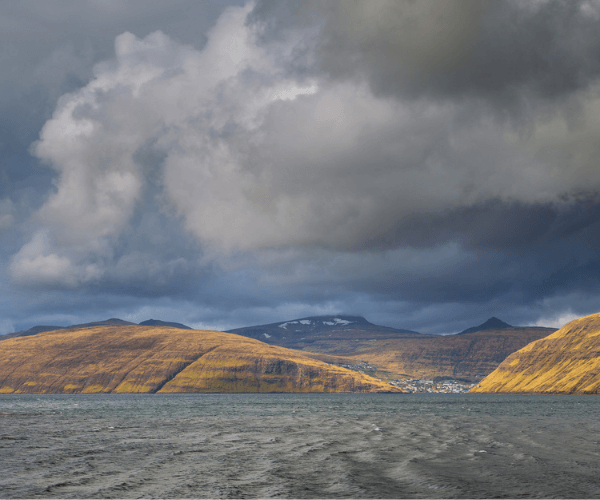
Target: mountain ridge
(158,322)
(346,340)
(107,322)
(149,359)
(43,329)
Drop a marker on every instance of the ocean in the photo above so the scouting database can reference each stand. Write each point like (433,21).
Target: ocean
(299,446)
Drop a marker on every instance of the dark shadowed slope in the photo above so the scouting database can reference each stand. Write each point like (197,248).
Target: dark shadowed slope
(491,324)
(470,357)
(32,331)
(41,329)
(158,322)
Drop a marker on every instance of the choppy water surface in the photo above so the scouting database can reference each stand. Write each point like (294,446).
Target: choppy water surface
(299,446)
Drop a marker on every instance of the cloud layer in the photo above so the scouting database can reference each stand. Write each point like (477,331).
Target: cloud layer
(418,152)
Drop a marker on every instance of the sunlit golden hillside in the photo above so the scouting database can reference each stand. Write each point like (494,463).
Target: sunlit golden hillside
(566,362)
(146,359)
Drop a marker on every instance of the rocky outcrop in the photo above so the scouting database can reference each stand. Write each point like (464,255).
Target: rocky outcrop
(146,359)
(566,362)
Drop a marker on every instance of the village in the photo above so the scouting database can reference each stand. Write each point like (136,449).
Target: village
(417,385)
(447,386)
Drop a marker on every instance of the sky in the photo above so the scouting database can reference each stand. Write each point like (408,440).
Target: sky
(425,164)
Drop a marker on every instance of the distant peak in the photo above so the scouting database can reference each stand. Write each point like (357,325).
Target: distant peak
(496,323)
(491,324)
(107,322)
(158,322)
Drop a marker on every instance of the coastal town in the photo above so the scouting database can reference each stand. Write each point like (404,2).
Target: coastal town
(447,386)
(417,385)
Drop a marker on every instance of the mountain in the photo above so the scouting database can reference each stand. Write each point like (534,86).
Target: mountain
(566,362)
(390,352)
(138,359)
(109,322)
(32,331)
(300,333)
(157,322)
(491,324)
(40,329)
(106,322)
(352,340)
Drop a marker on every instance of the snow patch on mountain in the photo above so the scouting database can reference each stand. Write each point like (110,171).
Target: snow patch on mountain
(284,325)
(339,321)
(332,322)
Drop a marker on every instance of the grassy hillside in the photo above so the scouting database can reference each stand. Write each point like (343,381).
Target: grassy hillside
(566,362)
(146,359)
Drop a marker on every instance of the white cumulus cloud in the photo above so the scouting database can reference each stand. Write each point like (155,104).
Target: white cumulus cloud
(252,156)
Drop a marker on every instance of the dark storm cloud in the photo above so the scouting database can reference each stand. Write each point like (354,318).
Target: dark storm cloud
(521,58)
(504,51)
(227,166)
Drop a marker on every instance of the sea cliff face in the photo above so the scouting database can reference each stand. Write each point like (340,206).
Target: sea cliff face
(146,359)
(565,362)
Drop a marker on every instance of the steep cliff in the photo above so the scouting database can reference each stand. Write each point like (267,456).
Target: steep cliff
(566,362)
(146,359)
